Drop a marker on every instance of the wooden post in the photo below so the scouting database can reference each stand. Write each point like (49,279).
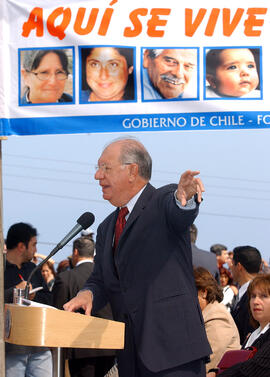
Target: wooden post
(2,324)
(2,343)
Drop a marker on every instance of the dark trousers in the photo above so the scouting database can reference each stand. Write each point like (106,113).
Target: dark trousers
(90,366)
(129,364)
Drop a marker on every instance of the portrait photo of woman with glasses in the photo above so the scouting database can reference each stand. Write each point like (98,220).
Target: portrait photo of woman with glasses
(107,74)
(45,76)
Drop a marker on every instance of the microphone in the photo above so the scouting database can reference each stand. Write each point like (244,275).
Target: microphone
(83,222)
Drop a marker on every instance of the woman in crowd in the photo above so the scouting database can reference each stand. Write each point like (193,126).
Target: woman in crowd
(48,273)
(229,290)
(107,74)
(259,301)
(220,328)
(45,73)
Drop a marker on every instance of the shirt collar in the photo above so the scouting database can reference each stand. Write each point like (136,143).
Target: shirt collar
(243,289)
(131,204)
(84,261)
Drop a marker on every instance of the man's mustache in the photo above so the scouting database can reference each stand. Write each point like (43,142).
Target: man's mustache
(172,79)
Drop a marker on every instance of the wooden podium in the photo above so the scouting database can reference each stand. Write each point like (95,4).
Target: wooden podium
(49,327)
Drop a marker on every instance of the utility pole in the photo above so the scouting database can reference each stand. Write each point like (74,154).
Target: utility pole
(2,322)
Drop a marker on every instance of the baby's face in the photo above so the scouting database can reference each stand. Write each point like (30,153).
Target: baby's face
(236,74)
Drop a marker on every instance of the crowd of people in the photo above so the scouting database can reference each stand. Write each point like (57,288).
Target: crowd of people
(183,310)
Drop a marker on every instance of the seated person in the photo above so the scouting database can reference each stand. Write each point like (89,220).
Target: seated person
(220,328)
(48,273)
(231,72)
(259,302)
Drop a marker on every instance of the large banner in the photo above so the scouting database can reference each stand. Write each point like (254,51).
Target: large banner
(119,66)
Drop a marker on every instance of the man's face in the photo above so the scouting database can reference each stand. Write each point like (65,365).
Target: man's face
(234,270)
(30,250)
(113,176)
(224,256)
(171,71)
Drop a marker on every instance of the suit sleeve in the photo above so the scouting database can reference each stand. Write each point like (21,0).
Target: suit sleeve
(95,282)
(258,366)
(179,219)
(60,292)
(220,334)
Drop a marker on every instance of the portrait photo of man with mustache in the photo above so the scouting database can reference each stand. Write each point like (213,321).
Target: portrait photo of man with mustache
(170,74)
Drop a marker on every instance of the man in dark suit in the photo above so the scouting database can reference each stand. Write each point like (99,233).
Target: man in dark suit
(82,362)
(246,264)
(147,275)
(202,258)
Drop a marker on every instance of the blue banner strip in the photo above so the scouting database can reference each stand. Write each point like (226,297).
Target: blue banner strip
(136,122)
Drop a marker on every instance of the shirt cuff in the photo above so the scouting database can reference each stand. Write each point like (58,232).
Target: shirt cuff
(86,289)
(191,204)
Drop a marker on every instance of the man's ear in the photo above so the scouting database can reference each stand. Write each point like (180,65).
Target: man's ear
(130,69)
(75,252)
(133,171)
(211,80)
(239,266)
(21,246)
(146,59)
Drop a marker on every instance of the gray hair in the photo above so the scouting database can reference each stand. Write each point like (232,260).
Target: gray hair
(154,53)
(132,151)
(32,58)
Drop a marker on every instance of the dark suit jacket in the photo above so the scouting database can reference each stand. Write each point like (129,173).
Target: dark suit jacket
(155,294)
(258,366)
(67,285)
(240,315)
(203,258)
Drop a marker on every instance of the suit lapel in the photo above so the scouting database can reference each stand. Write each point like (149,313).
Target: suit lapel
(138,209)
(108,243)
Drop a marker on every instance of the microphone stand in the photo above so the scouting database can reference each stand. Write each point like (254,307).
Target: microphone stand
(54,251)
(83,222)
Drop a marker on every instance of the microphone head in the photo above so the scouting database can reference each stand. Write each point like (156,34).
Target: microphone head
(86,220)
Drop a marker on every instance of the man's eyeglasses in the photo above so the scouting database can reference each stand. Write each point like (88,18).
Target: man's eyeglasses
(43,76)
(106,169)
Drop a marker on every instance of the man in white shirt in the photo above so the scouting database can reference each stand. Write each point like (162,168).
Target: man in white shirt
(246,264)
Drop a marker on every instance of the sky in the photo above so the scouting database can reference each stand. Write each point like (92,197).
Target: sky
(48,181)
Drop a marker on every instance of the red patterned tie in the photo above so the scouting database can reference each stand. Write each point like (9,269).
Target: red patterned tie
(119,226)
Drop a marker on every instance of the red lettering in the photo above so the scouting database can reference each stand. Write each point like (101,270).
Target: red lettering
(191,27)
(229,27)
(253,21)
(129,32)
(35,21)
(59,31)
(155,21)
(90,23)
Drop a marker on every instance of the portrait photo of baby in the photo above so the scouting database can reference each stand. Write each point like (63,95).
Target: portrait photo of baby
(233,73)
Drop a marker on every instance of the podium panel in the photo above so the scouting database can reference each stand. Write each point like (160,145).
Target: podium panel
(49,327)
